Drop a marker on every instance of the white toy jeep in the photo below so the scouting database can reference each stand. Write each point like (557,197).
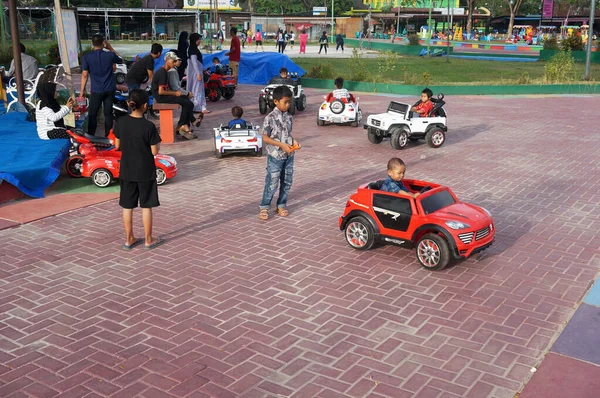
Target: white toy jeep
(400,126)
(294,82)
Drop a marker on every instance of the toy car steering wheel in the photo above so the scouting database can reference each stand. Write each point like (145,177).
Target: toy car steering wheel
(425,189)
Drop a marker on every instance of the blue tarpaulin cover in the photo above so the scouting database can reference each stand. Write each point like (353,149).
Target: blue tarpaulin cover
(255,68)
(26,161)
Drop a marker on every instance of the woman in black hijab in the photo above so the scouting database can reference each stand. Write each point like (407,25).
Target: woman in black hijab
(182,50)
(49,114)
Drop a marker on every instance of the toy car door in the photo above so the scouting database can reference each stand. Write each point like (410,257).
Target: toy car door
(393,212)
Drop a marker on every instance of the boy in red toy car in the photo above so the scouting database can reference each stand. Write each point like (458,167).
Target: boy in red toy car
(393,183)
(139,142)
(425,106)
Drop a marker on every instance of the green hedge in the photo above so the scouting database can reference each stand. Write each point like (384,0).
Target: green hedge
(516,89)
(398,48)
(578,55)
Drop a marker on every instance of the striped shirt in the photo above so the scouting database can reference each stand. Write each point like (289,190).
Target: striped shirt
(46,117)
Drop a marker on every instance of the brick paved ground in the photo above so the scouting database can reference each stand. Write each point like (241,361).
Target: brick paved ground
(235,307)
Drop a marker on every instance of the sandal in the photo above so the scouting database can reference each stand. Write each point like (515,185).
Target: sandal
(283,212)
(264,214)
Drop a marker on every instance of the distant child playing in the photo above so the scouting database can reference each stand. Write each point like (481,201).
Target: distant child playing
(237,112)
(279,144)
(426,105)
(393,183)
(138,140)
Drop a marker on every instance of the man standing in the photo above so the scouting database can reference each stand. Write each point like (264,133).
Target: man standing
(29,65)
(98,66)
(143,69)
(234,53)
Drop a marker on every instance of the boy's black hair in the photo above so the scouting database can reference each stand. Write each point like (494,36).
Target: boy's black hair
(395,162)
(283,70)
(97,40)
(137,99)
(216,59)
(428,92)
(233,31)
(339,82)
(156,48)
(22,47)
(282,92)
(237,112)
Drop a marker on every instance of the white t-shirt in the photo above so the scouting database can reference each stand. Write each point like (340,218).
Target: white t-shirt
(293,37)
(340,93)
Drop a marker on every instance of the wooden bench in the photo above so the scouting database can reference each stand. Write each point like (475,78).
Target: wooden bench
(165,111)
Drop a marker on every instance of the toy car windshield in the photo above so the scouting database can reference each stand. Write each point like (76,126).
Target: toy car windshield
(398,108)
(437,201)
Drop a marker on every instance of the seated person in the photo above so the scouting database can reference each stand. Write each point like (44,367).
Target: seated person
(282,78)
(340,92)
(175,85)
(217,67)
(49,114)
(393,183)
(424,108)
(237,112)
(29,65)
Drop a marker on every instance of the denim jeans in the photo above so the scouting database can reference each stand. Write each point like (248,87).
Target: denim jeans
(278,171)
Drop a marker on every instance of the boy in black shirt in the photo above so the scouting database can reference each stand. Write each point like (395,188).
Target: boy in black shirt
(138,140)
(143,68)
(162,94)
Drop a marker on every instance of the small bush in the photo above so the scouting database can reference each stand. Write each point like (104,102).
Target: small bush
(524,78)
(53,54)
(560,68)
(413,39)
(572,43)
(6,56)
(321,71)
(358,68)
(551,43)
(386,64)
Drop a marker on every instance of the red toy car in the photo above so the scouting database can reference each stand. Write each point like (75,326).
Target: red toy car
(436,223)
(217,86)
(104,166)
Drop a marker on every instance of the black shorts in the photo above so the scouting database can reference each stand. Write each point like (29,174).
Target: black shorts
(144,192)
(258,43)
(292,42)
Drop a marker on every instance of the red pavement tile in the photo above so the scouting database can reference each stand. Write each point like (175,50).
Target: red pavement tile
(233,307)
(560,376)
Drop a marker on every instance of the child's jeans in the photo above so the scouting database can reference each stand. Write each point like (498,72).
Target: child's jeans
(278,171)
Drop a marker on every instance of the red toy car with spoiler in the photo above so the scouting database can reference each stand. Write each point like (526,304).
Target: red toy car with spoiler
(436,223)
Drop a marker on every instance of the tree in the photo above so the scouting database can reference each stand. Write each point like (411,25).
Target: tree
(470,10)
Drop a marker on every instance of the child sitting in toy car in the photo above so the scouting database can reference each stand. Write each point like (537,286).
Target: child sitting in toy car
(424,107)
(282,78)
(237,112)
(340,92)
(393,183)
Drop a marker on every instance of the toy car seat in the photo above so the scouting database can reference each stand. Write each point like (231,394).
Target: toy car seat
(376,186)
(238,126)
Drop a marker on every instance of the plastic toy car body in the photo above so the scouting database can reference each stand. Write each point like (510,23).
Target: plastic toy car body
(339,111)
(294,82)
(217,85)
(436,222)
(399,125)
(105,166)
(239,138)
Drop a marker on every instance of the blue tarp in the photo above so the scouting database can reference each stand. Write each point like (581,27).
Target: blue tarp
(26,161)
(255,68)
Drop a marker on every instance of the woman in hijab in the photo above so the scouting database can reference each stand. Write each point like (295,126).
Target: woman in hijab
(49,114)
(195,75)
(182,50)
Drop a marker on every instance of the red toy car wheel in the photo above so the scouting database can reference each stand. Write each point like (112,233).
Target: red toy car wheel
(433,252)
(161,176)
(359,233)
(102,178)
(74,165)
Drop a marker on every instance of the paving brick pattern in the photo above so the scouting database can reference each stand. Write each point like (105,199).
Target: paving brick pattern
(232,306)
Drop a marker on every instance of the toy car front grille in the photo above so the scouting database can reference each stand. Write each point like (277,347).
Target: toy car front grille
(466,238)
(482,233)
(376,122)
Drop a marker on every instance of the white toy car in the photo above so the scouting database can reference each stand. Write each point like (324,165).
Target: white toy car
(399,125)
(339,111)
(294,82)
(238,138)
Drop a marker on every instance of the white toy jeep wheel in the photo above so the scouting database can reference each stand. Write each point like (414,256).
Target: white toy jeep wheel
(399,138)
(435,137)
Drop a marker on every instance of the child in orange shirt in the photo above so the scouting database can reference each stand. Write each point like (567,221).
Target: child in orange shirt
(426,105)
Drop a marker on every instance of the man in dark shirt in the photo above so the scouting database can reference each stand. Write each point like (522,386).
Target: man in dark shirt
(143,68)
(98,67)
(162,94)
(234,53)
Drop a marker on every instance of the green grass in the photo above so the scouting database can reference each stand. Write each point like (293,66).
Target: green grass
(410,70)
